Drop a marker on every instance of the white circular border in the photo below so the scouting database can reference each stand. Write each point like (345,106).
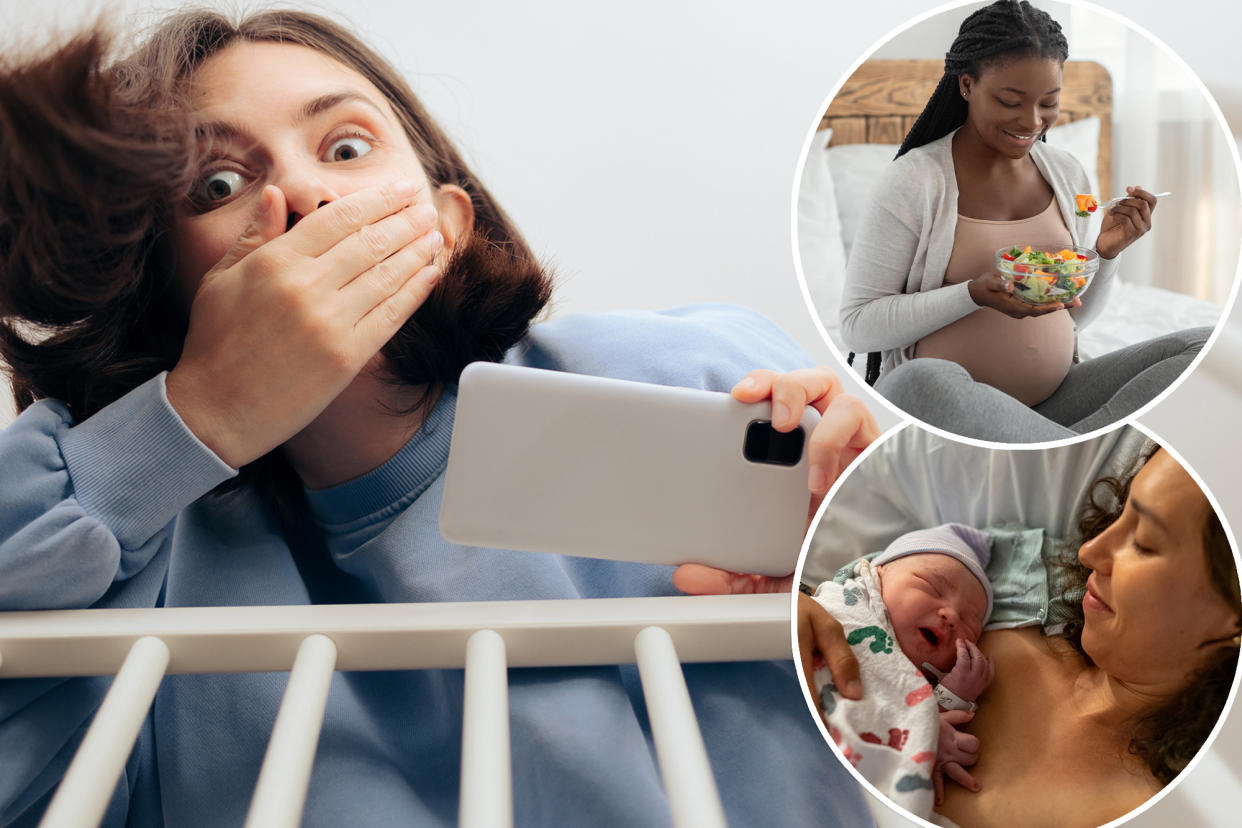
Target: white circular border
(813,708)
(905,416)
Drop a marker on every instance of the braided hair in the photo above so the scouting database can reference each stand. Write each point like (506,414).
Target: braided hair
(1005,29)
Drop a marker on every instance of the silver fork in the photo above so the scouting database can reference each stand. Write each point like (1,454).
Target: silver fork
(1122,198)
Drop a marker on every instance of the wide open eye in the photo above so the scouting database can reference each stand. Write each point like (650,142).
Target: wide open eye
(218,186)
(347,148)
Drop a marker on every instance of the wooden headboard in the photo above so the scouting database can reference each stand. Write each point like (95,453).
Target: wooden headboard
(881,100)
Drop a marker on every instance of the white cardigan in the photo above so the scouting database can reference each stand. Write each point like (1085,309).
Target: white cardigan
(894,294)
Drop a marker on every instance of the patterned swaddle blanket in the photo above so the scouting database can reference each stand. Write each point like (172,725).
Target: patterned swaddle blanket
(890,735)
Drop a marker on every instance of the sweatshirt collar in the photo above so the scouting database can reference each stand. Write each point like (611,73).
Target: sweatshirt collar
(400,480)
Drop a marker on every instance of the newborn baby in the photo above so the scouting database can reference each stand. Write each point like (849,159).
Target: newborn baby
(928,594)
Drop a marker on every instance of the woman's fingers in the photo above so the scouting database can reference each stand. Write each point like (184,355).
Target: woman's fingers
(324,228)
(376,242)
(819,631)
(384,279)
(1126,222)
(755,386)
(990,290)
(790,392)
(1139,199)
(846,425)
(845,428)
(1135,215)
(379,325)
(816,387)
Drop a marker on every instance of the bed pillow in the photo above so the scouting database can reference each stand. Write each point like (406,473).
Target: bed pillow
(1081,139)
(819,233)
(856,168)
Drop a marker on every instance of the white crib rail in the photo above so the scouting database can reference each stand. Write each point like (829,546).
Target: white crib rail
(92,775)
(142,645)
(688,779)
(280,793)
(486,798)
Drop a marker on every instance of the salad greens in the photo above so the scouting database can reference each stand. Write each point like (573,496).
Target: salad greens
(1041,277)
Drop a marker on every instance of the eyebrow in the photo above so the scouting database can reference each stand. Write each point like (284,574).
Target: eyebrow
(1146,513)
(1017,91)
(323,103)
(231,131)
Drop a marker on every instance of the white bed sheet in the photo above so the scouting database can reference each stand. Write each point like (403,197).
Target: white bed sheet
(1137,313)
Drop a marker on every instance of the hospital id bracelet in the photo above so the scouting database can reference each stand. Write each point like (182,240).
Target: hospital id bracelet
(949,700)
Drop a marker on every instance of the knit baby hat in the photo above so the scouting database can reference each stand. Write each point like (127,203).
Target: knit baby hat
(971,546)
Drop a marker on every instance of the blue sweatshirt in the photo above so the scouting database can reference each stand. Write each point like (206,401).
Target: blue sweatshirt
(112,512)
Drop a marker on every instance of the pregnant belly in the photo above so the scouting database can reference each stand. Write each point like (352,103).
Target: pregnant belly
(1026,358)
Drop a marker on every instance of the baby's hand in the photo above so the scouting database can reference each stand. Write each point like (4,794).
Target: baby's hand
(971,674)
(954,751)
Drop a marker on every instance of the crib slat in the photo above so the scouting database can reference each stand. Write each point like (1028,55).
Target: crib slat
(280,794)
(88,785)
(688,780)
(486,777)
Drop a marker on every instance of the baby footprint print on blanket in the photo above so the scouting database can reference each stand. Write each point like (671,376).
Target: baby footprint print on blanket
(881,644)
(913,782)
(896,738)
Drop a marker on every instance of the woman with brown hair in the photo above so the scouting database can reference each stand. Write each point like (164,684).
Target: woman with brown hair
(241,272)
(1082,727)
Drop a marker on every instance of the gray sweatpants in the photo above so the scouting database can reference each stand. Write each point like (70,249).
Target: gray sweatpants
(1095,393)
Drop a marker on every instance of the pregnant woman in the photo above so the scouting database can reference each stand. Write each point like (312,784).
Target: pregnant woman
(955,347)
(240,273)
(1081,728)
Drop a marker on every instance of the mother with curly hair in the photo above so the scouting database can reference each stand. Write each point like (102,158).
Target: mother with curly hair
(1081,728)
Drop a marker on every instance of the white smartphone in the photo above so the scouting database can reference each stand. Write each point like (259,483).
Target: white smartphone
(548,461)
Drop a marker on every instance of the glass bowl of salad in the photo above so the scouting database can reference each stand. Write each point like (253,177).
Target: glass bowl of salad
(1043,274)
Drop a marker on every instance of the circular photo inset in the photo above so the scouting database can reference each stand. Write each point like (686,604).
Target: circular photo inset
(1020,637)
(1020,220)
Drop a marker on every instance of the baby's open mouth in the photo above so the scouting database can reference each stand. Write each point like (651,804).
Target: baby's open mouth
(930,636)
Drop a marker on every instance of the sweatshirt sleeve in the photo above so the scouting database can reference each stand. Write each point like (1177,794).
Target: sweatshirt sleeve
(876,312)
(86,506)
(86,512)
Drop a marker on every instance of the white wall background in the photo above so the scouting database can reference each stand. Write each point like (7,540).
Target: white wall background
(650,150)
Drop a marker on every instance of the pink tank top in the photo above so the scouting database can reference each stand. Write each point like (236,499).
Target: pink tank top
(1026,358)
